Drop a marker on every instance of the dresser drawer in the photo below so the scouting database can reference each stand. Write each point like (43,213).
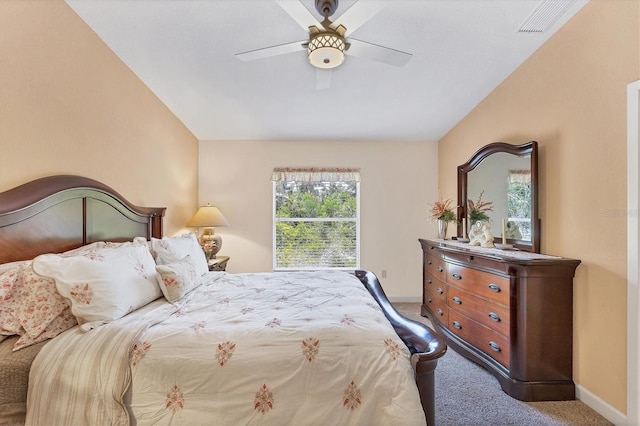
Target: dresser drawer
(488,341)
(477,262)
(487,313)
(432,282)
(436,290)
(438,307)
(483,284)
(435,266)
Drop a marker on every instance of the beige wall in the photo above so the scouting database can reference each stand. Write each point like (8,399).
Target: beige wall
(399,179)
(570,96)
(70,106)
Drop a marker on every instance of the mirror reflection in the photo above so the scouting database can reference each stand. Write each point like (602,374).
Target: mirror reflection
(499,185)
(505,181)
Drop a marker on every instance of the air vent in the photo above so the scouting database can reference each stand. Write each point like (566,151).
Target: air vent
(544,16)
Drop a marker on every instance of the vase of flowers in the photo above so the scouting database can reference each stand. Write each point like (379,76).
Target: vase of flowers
(442,211)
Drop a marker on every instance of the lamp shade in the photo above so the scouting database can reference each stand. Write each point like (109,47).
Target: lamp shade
(208,216)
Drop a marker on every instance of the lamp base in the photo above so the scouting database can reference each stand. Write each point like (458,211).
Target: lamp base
(210,243)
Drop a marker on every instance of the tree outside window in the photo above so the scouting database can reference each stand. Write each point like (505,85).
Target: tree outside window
(316,219)
(519,201)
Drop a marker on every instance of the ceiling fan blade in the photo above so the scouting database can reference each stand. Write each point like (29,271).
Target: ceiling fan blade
(386,55)
(323,78)
(299,13)
(359,13)
(266,52)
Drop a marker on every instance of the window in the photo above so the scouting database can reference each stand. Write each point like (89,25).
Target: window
(316,219)
(519,204)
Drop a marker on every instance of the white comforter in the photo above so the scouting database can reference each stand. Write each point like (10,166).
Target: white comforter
(282,349)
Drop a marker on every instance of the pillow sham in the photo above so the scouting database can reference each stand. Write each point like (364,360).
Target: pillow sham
(169,250)
(62,322)
(9,325)
(31,307)
(4,267)
(38,302)
(103,284)
(94,247)
(178,278)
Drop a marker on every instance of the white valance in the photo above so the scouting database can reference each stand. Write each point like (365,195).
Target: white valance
(316,174)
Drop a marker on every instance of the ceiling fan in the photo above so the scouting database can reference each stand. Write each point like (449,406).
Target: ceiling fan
(328,44)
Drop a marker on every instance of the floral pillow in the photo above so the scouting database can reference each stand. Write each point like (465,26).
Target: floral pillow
(178,278)
(9,325)
(4,267)
(103,284)
(169,250)
(62,322)
(31,307)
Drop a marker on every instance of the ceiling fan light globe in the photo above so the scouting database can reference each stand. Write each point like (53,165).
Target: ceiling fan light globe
(326,50)
(326,57)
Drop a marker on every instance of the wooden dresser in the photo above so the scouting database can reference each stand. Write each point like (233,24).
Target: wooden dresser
(509,311)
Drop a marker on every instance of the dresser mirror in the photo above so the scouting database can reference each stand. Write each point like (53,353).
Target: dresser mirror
(507,176)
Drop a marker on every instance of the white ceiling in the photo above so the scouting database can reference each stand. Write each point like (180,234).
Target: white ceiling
(184,52)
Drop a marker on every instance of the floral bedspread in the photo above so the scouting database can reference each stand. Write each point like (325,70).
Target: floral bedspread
(283,349)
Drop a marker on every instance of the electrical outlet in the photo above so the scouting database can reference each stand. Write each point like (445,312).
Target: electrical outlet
(384,273)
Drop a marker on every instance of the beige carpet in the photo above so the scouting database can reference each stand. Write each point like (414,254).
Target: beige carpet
(466,394)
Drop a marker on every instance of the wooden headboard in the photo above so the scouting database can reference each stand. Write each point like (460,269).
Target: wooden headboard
(59,213)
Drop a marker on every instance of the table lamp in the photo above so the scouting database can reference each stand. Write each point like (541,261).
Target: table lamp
(208,217)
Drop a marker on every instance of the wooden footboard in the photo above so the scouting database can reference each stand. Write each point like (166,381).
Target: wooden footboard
(423,343)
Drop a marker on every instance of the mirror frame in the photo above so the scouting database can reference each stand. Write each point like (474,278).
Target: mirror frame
(529,148)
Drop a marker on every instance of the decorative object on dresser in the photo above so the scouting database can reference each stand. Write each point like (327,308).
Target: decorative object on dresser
(480,234)
(208,217)
(442,211)
(511,312)
(480,222)
(219,263)
(508,176)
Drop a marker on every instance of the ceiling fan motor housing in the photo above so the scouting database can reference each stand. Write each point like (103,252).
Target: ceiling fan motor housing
(326,7)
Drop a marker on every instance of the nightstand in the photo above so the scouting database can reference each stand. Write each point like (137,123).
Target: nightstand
(219,263)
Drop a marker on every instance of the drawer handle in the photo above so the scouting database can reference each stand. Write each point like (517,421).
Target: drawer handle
(457,325)
(439,290)
(429,262)
(494,316)
(495,288)
(429,299)
(470,259)
(429,281)
(457,300)
(495,346)
(440,269)
(457,276)
(440,312)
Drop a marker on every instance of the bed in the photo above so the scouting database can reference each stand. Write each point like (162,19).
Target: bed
(273,348)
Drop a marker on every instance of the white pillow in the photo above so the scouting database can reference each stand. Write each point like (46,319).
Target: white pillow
(178,278)
(170,250)
(105,284)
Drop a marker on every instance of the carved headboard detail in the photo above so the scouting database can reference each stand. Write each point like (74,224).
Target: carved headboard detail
(59,213)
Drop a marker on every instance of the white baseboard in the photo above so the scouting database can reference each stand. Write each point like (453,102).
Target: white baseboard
(416,299)
(601,407)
